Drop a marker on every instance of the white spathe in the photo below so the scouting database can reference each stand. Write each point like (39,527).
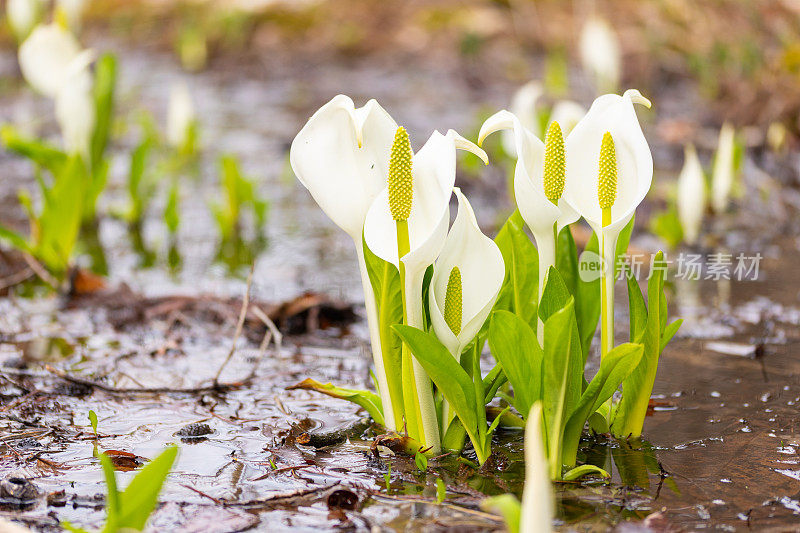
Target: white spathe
(614,114)
(341,156)
(536,515)
(524,105)
(45,58)
(482,272)
(75,108)
(600,54)
(434,174)
(23,15)
(180,115)
(691,198)
(538,212)
(722,174)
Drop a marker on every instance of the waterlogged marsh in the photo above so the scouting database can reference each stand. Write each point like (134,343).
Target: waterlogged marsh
(722,447)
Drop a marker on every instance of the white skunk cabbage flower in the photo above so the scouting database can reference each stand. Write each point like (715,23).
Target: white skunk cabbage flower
(45,58)
(567,113)
(75,108)
(610,114)
(420,197)
(467,278)
(539,185)
(341,156)
(691,195)
(609,172)
(600,54)
(523,106)
(23,16)
(722,174)
(536,515)
(70,12)
(180,115)
(434,173)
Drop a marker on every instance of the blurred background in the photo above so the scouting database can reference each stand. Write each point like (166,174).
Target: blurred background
(209,95)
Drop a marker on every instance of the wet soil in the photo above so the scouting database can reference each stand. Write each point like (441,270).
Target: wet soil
(722,448)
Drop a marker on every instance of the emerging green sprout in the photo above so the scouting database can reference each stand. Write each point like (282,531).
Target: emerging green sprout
(400,178)
(555,166)
(607,174)
(453,301)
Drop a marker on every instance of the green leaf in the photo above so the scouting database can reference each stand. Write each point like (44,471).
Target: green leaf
(112,495)
(140,498)
(614,368)
(421,461)
(387,288)
(554,296)
(453,382)
(513,344)
(14,239)
(586,293)
(40,152)
(562,373)
(670,332)
(585,470)
(105,78)
(636,389)
(507,506)
(171,210)
(441,490)
(370,401)
(520,291)
(60,219)
(667,226)
(93,421)
(622,244)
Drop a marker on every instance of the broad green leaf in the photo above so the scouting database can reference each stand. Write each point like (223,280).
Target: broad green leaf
(370,401)
(453,382)
(60,219)
(421,461)
(555,295)
(141,495)
(93,421)
(520,291)
(637,309)
(513,344)
(585,470)
(386,286)
(636,389)
(562,373)
(614,368)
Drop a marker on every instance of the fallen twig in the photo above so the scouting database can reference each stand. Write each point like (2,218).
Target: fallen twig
(239,323)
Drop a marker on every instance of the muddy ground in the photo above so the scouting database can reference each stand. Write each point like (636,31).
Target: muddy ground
(722,443)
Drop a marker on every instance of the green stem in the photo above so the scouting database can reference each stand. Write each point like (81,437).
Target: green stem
(413,424)
(607,289)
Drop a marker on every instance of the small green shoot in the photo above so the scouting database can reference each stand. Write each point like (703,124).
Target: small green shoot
(387,477)
(441,490)
(421,461)
(238,192)
(93,422)
(130,509)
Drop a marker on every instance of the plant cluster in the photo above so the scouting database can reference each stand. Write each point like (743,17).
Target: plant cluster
(72,177)
(435,293)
